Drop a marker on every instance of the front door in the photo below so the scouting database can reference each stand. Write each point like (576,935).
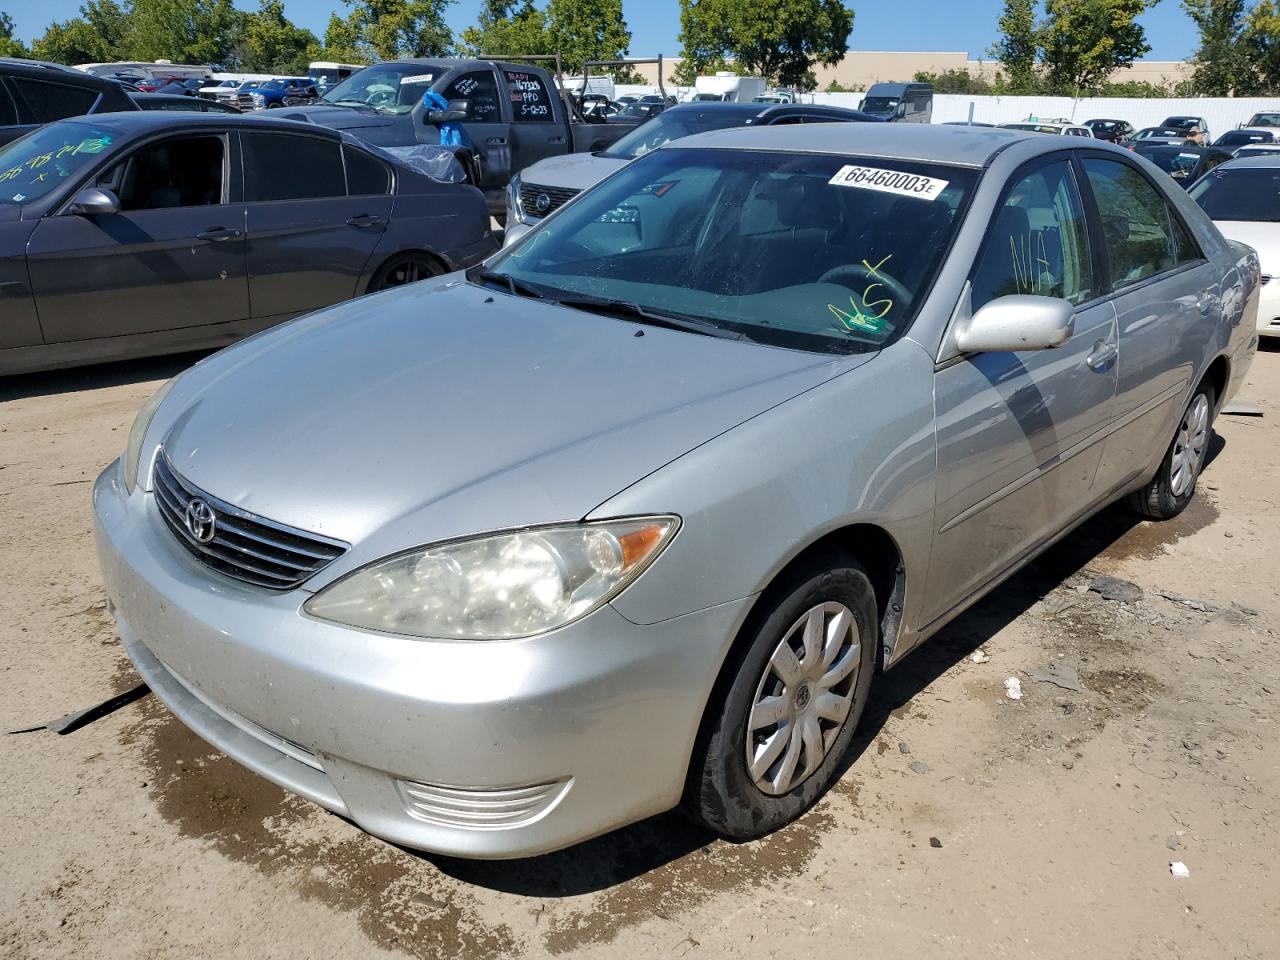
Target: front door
(485,131)
(174,256)
(1020,435)
(309,241)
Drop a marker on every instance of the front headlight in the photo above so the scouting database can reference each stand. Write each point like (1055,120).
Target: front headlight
(138,433)
(498,586)
(514,207)
(258,100)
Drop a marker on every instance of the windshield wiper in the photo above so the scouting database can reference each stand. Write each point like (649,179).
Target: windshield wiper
(654,318)
(518,288)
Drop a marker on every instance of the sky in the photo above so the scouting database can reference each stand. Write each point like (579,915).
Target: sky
(933,25)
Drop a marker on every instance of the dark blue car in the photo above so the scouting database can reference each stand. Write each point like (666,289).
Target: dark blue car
(149,232)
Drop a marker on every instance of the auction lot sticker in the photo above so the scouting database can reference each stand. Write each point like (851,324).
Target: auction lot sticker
(889,181)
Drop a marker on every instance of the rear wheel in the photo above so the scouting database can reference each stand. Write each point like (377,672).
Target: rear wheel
(404,268)
(782,728)
(1169,492)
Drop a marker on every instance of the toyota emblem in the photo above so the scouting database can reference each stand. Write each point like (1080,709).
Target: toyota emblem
(201,520)
(543,203)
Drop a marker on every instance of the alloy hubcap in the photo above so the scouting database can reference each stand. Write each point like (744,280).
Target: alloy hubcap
(1188,447)
(803,699)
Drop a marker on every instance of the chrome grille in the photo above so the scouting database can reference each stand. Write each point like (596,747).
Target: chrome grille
(244,546)
(556,198)
(479,808)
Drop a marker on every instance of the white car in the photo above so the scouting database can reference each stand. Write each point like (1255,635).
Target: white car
(1242,197)
(1063,128)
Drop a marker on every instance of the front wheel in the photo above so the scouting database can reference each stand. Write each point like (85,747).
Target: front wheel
(1169,492)
(778,736)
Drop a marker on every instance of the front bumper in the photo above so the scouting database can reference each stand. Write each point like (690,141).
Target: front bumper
(476,749)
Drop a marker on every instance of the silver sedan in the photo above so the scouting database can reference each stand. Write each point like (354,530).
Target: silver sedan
(633,514)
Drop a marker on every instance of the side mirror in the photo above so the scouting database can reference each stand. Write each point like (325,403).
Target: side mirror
(1018,322)
(94,202)
(457,110)
(902,109)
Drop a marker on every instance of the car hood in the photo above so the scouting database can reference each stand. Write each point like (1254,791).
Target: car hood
(1263,236)
(574,171)
(340,118)
(444,409)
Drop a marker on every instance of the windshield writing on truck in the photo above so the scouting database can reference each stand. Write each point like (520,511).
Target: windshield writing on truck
(388,88)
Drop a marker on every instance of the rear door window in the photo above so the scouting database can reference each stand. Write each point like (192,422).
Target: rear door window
(530,99)
(47,102)
(282,166)
(366,176)
(1137,224)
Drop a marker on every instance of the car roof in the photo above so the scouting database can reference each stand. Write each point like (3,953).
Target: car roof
(1247,163)
(963,146)
(39,70)
(141,122)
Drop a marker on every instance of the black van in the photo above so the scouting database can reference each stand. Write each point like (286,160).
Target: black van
(33,93)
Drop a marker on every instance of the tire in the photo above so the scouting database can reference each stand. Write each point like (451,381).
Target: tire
(1167,494)
(405,268)
(724,794)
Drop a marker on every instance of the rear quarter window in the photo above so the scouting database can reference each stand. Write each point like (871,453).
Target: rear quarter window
(46,102)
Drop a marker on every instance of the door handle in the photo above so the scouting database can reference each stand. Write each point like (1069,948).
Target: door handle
(364,220)
(218,234)
(1206,303)
(555,139)
(496,141)
(1103,354)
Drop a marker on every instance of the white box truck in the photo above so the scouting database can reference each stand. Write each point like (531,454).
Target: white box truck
(728,87)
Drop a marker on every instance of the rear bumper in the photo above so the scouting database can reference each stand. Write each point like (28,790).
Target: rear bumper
(491,749)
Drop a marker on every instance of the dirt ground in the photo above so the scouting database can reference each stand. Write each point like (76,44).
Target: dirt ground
(967,824)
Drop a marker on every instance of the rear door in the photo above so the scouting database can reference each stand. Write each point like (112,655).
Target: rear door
(1020,435)
(174,256)
(537,129)
(1167,300)
(308,240)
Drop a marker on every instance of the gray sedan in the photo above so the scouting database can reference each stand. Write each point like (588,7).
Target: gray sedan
(635,513)
(140,233)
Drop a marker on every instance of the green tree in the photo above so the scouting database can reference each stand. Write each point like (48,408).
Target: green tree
(100,34)
(10,46)
(186,31)
(387,29)
(1222,60)
(1017,46)
(780,40)
(1083,42)
(342,40)
(1261,43)
(955,80)
(504,30)
(271,42)
(1136,89)
(584,30)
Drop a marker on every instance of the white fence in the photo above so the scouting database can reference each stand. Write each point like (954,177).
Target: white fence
(1222,113)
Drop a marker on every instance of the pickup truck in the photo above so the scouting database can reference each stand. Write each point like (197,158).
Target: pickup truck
(509,115)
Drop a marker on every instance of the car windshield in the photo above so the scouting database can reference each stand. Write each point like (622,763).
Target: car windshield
(799,250)
(1179,164)
(275,84)
(387,87)
(879,105)
(1235,138)
(1147,133)
(1264,120)
(44,159)
(1182,123)
(674,124)
(637,109)
(1240,194)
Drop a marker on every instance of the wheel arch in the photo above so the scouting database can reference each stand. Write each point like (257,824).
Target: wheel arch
(440,259)
(1218,374)
(874,549)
